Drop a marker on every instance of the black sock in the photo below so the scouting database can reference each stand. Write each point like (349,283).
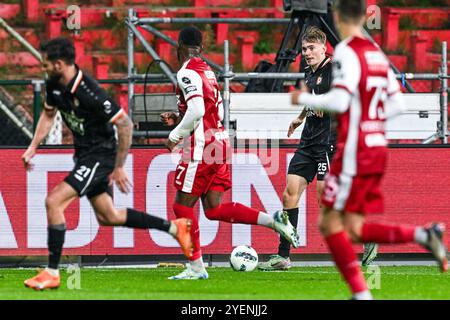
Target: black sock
(141,220)
(55,242)
(284,246)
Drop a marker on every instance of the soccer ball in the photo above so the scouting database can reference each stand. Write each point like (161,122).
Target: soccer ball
(243,258)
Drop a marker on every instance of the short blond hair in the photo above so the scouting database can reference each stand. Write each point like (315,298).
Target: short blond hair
(314,34)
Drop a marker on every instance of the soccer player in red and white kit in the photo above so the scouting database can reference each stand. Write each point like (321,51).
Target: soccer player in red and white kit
(364,93)
(204,169)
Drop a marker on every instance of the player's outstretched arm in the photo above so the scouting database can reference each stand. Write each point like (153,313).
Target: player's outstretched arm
(191,85)
(43,128)
(337,100)
(194,112)
(124,131)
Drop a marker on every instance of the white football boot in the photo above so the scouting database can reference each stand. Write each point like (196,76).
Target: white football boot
(283,226)
(190,274)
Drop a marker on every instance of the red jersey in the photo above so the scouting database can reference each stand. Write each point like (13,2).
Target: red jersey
(362,69)
(209,141)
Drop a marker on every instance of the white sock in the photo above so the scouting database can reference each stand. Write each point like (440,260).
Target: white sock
(53,272)
(364,295)
(173,229)
(197,265)
(420,235)
(265,219)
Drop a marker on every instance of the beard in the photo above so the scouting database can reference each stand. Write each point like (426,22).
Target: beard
(53,77)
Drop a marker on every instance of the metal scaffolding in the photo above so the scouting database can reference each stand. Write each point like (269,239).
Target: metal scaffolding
(227,76)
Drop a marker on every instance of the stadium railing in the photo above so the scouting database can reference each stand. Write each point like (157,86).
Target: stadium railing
(227,75)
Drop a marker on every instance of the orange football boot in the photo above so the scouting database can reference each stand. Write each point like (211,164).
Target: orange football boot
(44,280)
(183,236)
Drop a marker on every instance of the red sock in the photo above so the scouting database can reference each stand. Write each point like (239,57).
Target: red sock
(381,233)
(346,261)
(186,212)
(233,212)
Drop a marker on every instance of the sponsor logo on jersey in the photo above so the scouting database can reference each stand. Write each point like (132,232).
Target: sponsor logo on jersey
(376,61)
(190,89)
(56,92)
(76,102)
(186,80)
(108,107)
(75,123)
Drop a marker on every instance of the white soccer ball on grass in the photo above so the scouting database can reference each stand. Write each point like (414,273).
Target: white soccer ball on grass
(243,258)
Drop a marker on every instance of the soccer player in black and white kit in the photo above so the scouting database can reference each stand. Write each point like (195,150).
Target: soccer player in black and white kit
(99,158)
(317,141)
(316,148)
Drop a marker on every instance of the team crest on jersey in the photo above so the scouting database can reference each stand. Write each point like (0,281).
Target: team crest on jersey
(76,102)
(186,80)
(107,106)
(319,80)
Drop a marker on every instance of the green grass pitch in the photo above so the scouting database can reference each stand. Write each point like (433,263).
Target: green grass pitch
(314,283)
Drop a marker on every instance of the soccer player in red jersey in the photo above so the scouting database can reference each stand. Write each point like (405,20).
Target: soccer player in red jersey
(364,93)
(204,170)
(99,157)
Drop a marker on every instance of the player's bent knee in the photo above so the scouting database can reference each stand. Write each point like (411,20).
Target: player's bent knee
(353,232)
(214,213)
(110,219)
(329,224)
(51,203)
(102,220)
(107,221)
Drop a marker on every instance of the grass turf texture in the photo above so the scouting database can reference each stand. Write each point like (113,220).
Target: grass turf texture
(224,283)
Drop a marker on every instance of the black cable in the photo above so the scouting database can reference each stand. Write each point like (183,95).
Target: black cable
(145,88)
(145,95)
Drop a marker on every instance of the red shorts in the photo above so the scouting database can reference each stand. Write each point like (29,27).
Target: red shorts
(198,178)
(359,194)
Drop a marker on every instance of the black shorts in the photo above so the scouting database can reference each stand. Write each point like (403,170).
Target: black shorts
(311,162)
(90,176)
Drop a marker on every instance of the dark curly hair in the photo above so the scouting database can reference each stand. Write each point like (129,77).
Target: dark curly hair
(190,37)
(59,49)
